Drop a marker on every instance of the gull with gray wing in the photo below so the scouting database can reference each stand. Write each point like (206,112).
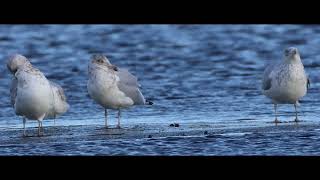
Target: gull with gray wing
(286,82)
(113,87)
(32,95)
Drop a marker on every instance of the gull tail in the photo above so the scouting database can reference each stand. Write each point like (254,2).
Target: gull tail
(148,102)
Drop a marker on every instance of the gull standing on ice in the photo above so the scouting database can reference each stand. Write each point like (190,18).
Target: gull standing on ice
(59,105)
(113,87)
(32,95)
(286,82)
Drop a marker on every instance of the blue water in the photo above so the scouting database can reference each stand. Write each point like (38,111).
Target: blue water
(207,74)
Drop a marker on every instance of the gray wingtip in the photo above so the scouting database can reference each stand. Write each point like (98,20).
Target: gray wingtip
(267,84)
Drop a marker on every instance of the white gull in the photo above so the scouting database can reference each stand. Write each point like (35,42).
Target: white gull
(32,95)
(286,82)
(113,87)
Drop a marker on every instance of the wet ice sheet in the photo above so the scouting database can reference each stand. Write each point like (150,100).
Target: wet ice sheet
(142,139)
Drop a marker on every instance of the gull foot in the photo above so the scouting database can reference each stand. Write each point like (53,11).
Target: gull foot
(276,121)
(296,120)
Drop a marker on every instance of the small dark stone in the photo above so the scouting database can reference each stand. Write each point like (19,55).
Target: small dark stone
(150,136)
(174,125)
(75,69)
(205,132)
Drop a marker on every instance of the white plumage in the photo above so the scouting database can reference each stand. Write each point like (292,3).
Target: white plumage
(32,95)
(285,82)
(112,87)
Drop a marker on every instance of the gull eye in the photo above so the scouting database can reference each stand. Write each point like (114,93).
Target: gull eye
(286,51)
(294,52)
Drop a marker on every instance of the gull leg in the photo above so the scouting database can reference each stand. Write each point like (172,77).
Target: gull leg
(295,107)
(119,115)
(24,126)
(39,126)
(42,128)
(276,121)
(106,117)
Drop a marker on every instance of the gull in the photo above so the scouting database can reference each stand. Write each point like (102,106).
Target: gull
(59,105)
(113,87)
(33,96)
(286,82)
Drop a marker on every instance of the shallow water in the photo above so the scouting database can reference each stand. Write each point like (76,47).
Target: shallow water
(195,74)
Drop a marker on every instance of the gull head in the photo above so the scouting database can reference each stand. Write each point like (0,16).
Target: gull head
(101,59)
(291,54)
(15,62)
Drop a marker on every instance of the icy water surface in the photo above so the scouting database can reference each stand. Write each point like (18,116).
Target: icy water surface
(205,77)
